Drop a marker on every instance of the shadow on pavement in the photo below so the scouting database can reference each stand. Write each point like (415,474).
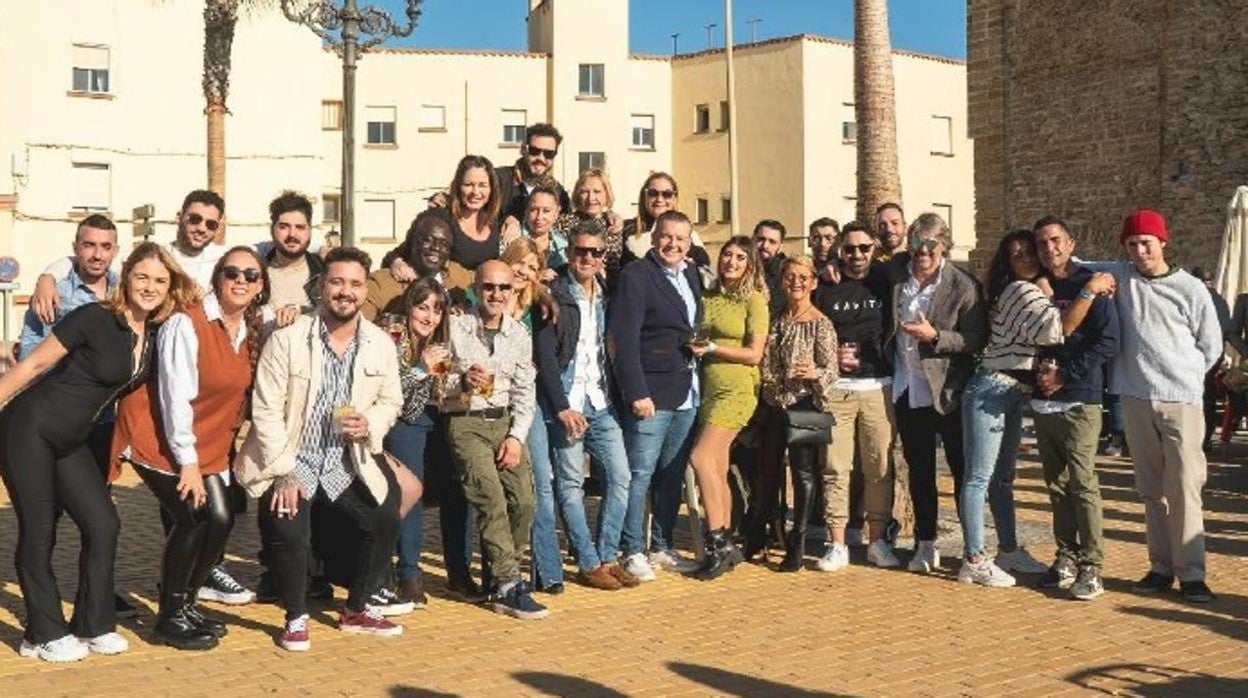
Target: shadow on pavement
(563,685)
(413,692)
(1147,680)
(734,684)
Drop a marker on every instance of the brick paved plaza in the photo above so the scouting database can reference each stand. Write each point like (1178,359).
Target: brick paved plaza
(860,632)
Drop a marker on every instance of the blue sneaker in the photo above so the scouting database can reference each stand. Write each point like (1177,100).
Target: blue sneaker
(518,602)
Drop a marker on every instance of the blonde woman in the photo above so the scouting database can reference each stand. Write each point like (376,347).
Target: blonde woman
(729,342)
(593,200)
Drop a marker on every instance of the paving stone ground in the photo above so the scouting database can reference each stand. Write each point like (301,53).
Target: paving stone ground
(756,632)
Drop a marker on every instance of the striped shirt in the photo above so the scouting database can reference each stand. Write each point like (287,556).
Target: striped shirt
(322,458)
(1023,319)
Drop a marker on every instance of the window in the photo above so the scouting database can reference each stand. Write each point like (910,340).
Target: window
(514,121)
(380,125)
(432,118)
(849,124)
(723,116)
(643,131)
(90,68)
(945,211)
(331,115)
(942,135)
(725,210)
(849,208)
(91,187)
(702,213)
(592,161)
(591,80)
(377,219)
(331,207)
(702,119)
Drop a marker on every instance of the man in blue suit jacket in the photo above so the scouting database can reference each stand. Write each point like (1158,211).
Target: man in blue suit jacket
(657,305)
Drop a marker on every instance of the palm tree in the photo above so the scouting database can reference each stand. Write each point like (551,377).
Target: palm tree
(220,19)
(875,108)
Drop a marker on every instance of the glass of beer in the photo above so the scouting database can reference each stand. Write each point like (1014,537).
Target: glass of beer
(392,323)
(700,339)
(485,390)
(340,412)
(443,365)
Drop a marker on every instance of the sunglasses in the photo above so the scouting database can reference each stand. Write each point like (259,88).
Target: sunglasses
(929,244)
(595,252)
(196,219)
(542,152)
(661,193)
(232,273)
(488,287)
(864,248)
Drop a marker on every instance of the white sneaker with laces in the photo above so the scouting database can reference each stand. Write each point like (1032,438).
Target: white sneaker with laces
(223,588)
(926,557)
(880,554)
(637,565)
(63,649)
(108,643)
(1020,561)
(671,561)
(835,557)
(854,537)
(985,573)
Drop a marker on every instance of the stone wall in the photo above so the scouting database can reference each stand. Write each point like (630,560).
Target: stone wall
(1090,109)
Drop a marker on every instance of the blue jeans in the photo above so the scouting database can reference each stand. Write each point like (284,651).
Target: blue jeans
(407,443)
(658,450)
(992,424)
(605,442)
(547,567)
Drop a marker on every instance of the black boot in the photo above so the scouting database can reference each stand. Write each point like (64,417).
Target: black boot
(202,621)
(721,555)
(755,538)
(175,629)
(802,462)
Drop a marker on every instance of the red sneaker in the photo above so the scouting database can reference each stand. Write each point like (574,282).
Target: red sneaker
(294,637)
(367,622)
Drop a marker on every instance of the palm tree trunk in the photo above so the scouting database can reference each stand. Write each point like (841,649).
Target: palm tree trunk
(220,19)
(875,109)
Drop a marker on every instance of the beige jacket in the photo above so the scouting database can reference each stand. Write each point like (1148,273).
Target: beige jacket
(288,377)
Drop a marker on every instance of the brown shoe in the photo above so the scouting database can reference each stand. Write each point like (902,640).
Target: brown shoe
(599,578)
(623,576)
(413,590)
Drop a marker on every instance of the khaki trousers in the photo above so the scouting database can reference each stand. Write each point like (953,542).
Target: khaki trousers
(864,421)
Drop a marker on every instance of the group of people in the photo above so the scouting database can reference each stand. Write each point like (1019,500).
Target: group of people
(521,338)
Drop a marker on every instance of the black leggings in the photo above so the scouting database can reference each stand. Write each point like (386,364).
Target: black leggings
(198,536)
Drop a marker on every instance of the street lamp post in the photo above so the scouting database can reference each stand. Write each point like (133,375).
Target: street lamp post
(351,30)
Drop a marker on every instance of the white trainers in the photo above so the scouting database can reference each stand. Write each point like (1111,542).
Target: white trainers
(637,565)
(926,557)
(108,643)
(1020,561)
(880,554)
(835,557)
(671,561)
(985,573)
(854,537)
(64,649)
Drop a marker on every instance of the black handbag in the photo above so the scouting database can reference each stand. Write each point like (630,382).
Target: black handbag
(808,427)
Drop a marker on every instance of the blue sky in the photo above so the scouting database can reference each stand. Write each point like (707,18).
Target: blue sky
(929,26)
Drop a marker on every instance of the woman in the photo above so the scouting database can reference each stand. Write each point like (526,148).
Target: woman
(658,195)
(94,354)
(733,331)
(527,266)
(592,199)
(1021,319)
(799,371)
(542,226)
(939,323)
(179,431)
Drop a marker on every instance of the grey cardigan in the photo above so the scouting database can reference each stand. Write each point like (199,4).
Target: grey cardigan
(960,316)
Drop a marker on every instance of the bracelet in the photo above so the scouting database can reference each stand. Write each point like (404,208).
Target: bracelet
(1086,294)
(711,347)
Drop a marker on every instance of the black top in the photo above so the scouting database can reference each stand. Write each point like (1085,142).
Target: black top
(861,312)
(1082,357)
(98,368)
(470,253)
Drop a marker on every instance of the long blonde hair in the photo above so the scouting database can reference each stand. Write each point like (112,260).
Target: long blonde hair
(515,253)
(182,290)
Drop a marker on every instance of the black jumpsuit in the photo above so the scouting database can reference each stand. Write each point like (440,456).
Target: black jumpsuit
(47,466)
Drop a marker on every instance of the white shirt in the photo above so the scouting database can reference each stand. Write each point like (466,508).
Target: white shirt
(1040,406)
(198,267)
(908,376)
(587,375)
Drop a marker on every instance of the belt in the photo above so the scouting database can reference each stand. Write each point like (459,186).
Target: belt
(488,414)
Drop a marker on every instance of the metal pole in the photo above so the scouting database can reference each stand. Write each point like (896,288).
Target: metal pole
(734,187)
(350,35)
(753,29)
(674,44)
(710,34)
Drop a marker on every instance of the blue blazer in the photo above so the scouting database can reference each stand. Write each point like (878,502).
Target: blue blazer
(649,330)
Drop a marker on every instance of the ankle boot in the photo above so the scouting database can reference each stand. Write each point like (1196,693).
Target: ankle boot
(200,620)
(755,538)
(721,556)
(802,461)
(175,629)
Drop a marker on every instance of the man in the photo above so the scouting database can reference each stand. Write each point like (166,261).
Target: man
(1171,324)
(426,249)
(890,228)
(326,392)
(657,305)
(822,242)
(489,406)
(859,308)
(1067,408)
(769,241)
(537,159)
(294,272)
(572,372)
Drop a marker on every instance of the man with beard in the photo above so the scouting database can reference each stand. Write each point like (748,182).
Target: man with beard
(293,271)
(769,239)
(824,233)
(326,392)
(890,230)
(537,160)
(426,249)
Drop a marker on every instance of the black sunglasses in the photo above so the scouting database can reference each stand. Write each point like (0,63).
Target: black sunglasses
(196,219)
(232,273)
(488,287)
(864,248)
(665,193)
(548,154)
(595,252)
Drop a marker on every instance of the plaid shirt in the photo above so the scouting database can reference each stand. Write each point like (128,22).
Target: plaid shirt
(322,459)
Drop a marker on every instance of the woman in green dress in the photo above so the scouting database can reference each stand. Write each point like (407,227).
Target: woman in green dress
(729,343)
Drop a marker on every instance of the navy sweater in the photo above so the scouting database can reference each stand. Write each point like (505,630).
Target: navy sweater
(1082,358)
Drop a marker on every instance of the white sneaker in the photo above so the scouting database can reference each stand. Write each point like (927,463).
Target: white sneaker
(64,649)
(985,573)
(835,557)
(108,643)
(880,554)
(1020,561)
(637,565)
(926,557)
(854,537)
(671,561)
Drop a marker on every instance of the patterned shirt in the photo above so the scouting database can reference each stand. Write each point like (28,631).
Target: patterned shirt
(812,341)
(416,382)
(322,458)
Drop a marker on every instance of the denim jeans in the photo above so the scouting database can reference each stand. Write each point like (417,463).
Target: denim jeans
(658,451)
(604,440)
(547,567)
(992,424)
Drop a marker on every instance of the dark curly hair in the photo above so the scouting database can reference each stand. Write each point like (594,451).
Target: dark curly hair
(999,274)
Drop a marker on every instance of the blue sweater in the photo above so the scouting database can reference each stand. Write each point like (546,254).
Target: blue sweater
(1082,357)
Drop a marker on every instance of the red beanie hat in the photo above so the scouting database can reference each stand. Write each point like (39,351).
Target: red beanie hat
(1144,222)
